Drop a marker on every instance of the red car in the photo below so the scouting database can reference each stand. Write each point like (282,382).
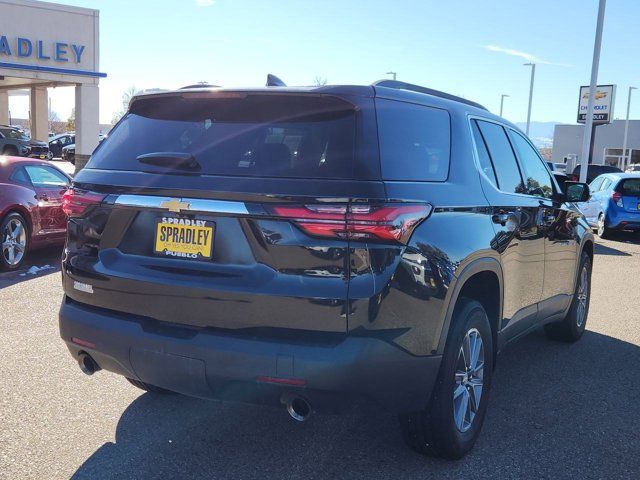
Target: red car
(31,213)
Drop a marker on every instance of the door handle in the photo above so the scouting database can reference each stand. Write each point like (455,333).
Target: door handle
(503,217)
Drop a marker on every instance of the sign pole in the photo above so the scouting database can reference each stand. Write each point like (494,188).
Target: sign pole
(591,144)
(626,161)
(588,127)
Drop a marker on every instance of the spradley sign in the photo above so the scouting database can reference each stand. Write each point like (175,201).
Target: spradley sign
(602,106)
(22,47)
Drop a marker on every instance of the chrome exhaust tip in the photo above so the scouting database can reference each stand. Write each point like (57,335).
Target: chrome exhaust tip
(87,364)
(298,408)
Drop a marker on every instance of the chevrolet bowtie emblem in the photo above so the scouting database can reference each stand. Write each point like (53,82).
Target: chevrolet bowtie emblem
(175,205)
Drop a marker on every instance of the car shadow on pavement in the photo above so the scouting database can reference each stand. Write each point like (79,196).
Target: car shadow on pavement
(557,411)
(36,258)
(604,250)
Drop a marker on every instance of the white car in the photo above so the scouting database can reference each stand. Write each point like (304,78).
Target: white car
(633,168)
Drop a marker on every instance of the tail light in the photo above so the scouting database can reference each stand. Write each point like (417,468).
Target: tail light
(617,198)
(75,202)
(387,222)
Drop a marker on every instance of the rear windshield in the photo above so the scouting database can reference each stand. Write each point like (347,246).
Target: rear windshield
(304,136)
(630,187)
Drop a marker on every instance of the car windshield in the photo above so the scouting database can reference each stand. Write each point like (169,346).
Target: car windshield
(245,135)
(13,133)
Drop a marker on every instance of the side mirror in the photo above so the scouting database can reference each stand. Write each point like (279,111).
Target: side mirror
(577,192)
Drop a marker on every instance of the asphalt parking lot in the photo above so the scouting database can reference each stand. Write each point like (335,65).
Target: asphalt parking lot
(558,410)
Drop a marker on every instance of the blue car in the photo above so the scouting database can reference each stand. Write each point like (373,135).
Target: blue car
(614,203)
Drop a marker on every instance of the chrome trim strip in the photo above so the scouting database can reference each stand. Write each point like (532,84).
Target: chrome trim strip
(195,204)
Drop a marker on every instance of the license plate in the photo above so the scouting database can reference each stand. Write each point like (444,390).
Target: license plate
(184,238)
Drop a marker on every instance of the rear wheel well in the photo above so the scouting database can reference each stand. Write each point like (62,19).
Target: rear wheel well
(10,148)
(20,211)
(484,287)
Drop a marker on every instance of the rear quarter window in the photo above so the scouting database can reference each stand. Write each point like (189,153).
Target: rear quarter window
(415,141)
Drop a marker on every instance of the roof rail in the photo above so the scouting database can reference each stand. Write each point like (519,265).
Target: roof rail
(398,85)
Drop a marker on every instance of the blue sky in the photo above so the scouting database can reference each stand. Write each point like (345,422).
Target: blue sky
(467,47)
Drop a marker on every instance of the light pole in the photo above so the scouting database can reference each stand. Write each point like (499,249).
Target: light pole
(533,76)
(392,73)
(588,127)
(502,97)
(626,132)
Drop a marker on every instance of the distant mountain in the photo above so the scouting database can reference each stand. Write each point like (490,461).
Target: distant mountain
(541,133)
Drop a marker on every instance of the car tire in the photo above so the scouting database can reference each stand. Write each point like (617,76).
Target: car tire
(18,243)
(571,328)
(50,155)
(440,430)
(602,229)
(148,387)
(10,151)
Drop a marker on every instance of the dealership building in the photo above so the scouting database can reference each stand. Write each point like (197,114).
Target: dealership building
(567,143)
(608,140)
(45,45)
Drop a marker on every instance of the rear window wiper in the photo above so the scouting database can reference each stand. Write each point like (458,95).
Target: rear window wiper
(179,160)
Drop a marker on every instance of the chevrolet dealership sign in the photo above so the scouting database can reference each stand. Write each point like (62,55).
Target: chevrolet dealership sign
(602,106)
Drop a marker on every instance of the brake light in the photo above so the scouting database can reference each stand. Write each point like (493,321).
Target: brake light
(387,222)
(617,198)
(75,202)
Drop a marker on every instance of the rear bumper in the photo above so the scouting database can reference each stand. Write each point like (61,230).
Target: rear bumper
(623,220)
(356,373)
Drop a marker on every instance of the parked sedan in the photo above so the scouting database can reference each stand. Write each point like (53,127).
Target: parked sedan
(614,203)
(69,153)
(31,213)
(57,143)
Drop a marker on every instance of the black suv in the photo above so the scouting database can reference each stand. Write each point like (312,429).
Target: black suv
(593,171)
(14,142)
(328,248)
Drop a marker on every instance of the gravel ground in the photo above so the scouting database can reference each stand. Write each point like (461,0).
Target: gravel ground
(557,410)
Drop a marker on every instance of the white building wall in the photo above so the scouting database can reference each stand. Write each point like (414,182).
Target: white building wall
(567,139)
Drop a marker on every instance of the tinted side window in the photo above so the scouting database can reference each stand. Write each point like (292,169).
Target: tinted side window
(502,156)
(483,155)
(414,141)
(539,181)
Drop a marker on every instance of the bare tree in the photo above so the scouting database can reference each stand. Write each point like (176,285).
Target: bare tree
(71,121)
(127,95)
(319,81)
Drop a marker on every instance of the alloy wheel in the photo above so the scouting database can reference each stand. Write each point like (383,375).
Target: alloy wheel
(467,390)
(582,293)
(601,226)
(14,241)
